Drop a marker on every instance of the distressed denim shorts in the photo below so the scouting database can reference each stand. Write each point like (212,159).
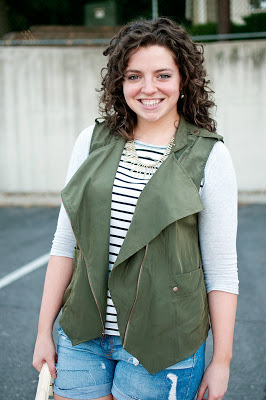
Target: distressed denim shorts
(101,366)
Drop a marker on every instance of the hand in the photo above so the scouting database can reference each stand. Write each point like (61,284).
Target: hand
(45,352)
(216,379)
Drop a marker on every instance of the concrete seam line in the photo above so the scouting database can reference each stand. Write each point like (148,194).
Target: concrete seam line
(22,271)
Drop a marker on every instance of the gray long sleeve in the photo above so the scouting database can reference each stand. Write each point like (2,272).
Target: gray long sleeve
(218,222)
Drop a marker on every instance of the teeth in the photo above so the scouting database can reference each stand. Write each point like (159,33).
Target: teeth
(150,102)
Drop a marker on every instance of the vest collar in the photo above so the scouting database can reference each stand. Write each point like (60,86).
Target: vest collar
(181,134)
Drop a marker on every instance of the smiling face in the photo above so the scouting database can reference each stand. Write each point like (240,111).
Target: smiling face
(152,85)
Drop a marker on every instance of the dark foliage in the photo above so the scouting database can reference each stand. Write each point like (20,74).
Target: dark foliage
(24,13)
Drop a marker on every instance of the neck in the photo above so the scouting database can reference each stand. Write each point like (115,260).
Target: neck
(159,133)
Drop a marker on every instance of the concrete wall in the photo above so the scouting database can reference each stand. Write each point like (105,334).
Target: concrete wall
(48,96)
(238,73)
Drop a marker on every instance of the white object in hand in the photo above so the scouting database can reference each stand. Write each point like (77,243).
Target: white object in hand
(45,384)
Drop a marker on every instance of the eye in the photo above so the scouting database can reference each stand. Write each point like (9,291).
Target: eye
(133,77)
(164,76)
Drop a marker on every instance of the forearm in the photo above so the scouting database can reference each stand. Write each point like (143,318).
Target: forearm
(222,307)
(58,276)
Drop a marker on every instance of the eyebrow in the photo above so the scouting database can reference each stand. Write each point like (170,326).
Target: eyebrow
(137,71)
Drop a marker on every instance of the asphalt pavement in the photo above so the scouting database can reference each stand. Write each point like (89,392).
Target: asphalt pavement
(26,234)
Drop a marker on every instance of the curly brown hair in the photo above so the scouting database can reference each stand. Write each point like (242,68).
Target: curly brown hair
(194,106)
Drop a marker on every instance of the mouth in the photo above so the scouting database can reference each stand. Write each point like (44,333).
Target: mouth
(150,103)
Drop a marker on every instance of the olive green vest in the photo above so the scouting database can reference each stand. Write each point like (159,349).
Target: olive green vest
(157,283)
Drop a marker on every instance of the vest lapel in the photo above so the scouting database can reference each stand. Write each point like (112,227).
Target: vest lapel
(87,200)
(169,196)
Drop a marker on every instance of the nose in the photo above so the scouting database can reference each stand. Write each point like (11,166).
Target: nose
(148,86)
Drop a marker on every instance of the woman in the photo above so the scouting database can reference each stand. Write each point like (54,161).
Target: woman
(155,200)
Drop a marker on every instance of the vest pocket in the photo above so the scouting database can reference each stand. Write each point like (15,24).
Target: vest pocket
(189,306)
(187,283)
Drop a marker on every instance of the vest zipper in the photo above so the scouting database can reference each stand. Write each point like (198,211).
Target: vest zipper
(140,270)
(103,333)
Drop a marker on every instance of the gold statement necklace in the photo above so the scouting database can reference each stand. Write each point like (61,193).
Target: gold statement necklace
(142,169)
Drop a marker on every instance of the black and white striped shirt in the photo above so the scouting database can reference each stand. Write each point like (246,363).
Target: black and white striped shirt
(126,190)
